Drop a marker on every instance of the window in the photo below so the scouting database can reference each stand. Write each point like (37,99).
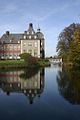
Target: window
(30,37)
(15,47)
(4,47)
(32,32)
(41,43)
(24,37)
(10,56)
(3,41)
(18,41)
(35,37)
(11,47)
(24,43)
(14,56)
(27,32)
(35,44)
(10,41)
(24,51)
(30,51)
(19,47)
(29,44)
(35,53)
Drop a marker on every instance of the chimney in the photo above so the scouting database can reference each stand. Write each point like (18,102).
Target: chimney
(7,33)
(25,32)
(31,25)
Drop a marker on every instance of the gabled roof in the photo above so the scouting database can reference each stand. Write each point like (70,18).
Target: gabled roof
(11,38)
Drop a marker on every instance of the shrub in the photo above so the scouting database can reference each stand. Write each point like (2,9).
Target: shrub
(29,60)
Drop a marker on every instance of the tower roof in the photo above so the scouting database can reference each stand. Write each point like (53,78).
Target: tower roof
(30,29)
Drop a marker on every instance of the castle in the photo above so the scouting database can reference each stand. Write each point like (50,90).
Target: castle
(12,45)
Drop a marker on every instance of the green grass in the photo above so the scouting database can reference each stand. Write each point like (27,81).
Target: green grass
(11,63)
(44,62)
(21,63)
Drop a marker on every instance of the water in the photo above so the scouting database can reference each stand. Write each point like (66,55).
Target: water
(47,94)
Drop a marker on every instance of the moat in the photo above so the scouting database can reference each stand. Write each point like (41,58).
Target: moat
(45,94)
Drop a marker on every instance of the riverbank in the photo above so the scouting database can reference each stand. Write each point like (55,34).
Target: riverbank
(4,64)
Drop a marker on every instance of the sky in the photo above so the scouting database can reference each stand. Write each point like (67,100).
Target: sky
(52,16)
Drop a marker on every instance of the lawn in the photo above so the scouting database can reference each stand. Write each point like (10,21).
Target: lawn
(11,63)
(21,63)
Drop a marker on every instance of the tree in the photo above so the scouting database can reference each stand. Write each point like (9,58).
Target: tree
(65,39)
(75,48)
(29,60)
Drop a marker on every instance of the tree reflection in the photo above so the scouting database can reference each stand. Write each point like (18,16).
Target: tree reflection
(69,84)
(28,73)
(30,82)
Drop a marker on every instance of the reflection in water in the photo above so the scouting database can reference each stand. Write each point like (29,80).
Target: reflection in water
(69,84)
(29,82)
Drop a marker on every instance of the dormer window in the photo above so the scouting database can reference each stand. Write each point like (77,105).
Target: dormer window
(32,32)
(35,37)
(24,37)
(27,32)
(18,41)
(10,41)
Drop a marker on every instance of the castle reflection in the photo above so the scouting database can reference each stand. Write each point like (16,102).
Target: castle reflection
(30,82)
(69,84)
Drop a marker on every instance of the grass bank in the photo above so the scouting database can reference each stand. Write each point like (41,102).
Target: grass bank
(43,62)
(12,63)
(21,64)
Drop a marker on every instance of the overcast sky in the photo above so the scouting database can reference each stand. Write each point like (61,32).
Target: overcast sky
(51,15)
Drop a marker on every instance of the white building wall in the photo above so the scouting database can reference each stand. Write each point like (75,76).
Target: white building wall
(21,47)
(31,46)
(38,48)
